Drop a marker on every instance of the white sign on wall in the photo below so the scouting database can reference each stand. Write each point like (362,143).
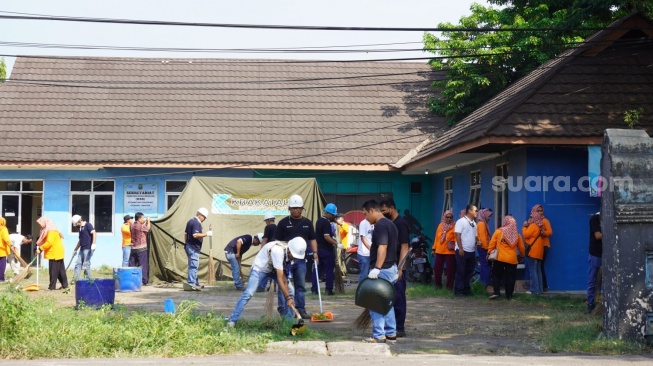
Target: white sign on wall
(141,197)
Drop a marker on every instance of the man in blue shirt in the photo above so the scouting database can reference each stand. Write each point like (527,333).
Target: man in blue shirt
(289,228)
(193,238)
(234,252)
(85,245)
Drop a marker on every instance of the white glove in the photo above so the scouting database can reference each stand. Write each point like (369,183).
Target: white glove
(209,233)
(374,273)
(92,247)
(340,246)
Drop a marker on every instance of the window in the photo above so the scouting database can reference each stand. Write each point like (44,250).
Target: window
(173,191)
(93,200)
(500,185)
(475,188)
(448,194)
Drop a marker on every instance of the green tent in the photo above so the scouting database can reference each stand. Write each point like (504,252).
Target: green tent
(236,207)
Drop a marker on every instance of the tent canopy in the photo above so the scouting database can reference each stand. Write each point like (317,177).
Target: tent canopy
(236,207)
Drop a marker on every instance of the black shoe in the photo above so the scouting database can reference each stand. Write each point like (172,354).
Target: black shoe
(401,333)
(303,314)
(242,289)
(314,292)
(281,310)
(330,292)
(261,289)
(590,308)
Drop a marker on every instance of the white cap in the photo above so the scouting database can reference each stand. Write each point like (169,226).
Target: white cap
(268,216)
(76,219)
(204,212)
(259,236)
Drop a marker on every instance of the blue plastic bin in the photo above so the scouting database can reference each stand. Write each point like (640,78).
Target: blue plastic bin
(95,292)
(128,279)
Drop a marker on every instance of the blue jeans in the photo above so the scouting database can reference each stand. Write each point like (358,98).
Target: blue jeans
(126,252)
(83,261)
(464,272)
(193,264)
(486,279)
(256,279)
(297,280)
(595,265)
(235,269)
(364,264)
(385,325)
(535,273)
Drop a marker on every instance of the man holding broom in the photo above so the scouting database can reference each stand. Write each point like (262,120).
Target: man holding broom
(271,262)
(326,247)
(383,256)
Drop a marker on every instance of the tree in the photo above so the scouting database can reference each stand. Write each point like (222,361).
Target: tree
(479,65)
(3,70)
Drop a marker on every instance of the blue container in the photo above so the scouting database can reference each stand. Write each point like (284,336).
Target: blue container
(95,292)
(128,279)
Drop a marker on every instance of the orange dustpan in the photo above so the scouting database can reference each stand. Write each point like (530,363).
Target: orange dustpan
(35,287)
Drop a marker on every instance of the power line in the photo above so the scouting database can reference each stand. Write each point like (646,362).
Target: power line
(289,27)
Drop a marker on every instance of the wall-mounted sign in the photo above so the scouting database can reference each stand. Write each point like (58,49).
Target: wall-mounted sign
(141,197)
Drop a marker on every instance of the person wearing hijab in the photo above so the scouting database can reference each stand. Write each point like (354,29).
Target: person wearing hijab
(483,223)
(507,241)
(5,247)
(444,253)
(533,231)
(51,244)
(546,232)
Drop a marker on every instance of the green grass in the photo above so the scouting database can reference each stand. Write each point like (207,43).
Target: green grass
(560,322)
(32,329)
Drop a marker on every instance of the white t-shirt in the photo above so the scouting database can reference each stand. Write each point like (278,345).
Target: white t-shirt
(467,231)
(17,241)
(364,229)
(271,249)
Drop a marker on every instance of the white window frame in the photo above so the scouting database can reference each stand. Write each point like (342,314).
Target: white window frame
(475,188)
(448,194)
(92,194)
(171,194)
(500,193)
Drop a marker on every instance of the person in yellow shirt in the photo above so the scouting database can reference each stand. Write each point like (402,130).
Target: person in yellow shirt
(507,241)
(343,230)
(443,249)
(5,247)
(125,229)
(51,244)
(483,232)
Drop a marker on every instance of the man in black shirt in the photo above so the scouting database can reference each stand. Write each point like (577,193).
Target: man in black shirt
(596,252)
(234,253)
(289,228)
(383,258)
(389,210)
(326,246)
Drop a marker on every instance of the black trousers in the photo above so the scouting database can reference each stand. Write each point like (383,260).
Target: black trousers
(508,273)
(140,259)
(57,272)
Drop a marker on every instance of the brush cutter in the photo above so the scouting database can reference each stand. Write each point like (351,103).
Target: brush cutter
(300,327)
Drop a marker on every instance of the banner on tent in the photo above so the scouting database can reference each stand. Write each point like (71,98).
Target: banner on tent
(226,204)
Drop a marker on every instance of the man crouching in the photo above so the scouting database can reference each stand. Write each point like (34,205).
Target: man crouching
(271,262)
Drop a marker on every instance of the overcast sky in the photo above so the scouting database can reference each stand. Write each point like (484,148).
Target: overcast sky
(371,13)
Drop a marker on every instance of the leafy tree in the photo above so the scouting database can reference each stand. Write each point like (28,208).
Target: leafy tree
(3,70)
(481,64)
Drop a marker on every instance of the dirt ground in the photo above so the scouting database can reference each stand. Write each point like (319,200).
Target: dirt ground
(434,325)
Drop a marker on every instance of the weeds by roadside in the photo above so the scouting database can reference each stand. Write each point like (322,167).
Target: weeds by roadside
(32,329)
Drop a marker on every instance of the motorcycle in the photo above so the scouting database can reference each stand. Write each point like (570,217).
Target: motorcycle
(417,267)
(351,260)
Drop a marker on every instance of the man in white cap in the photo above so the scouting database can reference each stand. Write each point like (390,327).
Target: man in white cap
(193,238)
(234,252)
(271,262)
(85,245)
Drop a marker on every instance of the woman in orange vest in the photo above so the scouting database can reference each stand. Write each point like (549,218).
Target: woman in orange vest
(545,233)
(51,244)
(5,247)
(533,231)
(507,241)
(444,252)
(483,233)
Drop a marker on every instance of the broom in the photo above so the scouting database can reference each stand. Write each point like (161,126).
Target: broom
(339,280)
(269,300)
(211,268)
(22,261)
(23,273)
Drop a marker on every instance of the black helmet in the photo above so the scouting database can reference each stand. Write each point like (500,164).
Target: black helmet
(377,295)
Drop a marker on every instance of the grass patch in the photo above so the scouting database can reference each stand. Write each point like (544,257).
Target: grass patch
(31,329)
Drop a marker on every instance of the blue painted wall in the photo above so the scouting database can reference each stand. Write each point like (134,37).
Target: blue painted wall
(568,209)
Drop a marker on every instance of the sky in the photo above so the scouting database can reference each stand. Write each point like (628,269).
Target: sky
(351,13)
